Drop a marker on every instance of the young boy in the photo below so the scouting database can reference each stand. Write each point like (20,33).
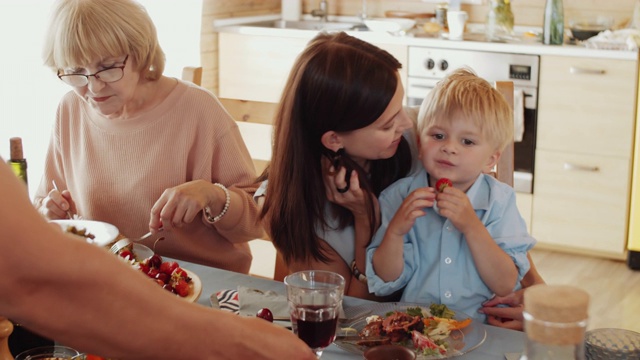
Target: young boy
(461,245)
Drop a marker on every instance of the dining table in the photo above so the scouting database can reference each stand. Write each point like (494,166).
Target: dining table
(499,343)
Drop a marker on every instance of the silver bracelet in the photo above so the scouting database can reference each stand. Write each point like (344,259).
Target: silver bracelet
(207,212)
(357,274)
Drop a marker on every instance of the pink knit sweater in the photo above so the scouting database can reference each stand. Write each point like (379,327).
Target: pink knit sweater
(116,170)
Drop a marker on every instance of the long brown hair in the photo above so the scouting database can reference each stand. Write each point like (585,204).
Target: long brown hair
(338,83)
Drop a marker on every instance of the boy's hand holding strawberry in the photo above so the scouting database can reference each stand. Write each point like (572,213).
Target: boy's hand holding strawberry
(455,206)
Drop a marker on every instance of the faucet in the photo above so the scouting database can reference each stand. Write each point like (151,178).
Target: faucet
(322,12)
(363,14)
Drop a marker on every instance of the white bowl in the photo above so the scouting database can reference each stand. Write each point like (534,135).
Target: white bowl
(392,25)
(104,233)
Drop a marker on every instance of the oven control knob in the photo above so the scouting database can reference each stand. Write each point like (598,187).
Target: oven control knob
(444,65)
(429,64)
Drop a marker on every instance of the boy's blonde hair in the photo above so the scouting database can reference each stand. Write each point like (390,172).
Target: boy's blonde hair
(462,92)
(83,31)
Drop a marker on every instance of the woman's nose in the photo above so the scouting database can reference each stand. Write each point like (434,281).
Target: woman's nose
(406,123)
(95,84)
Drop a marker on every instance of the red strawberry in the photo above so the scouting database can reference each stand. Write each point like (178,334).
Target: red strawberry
(181,288)
(442,184)
(167,267)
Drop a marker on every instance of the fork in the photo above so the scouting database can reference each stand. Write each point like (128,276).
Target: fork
(122,243)
(55,186)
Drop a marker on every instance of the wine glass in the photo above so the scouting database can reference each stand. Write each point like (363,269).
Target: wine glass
(315,301)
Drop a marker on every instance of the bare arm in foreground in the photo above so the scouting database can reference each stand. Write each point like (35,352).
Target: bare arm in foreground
(85,297)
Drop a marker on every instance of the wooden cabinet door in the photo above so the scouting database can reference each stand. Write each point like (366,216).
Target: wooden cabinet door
(581,202)
(587,105)
(256,68)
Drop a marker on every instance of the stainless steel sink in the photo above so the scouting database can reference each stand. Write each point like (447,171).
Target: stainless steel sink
(306,25)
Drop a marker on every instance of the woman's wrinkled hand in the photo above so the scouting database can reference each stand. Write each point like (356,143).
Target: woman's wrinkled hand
(509,317)
(56,204)
(179,205)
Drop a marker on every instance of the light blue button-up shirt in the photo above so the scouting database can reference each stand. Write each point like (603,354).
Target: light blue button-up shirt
(438,266)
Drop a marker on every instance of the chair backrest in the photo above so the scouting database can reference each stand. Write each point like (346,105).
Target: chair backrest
(192,74)
(504,168)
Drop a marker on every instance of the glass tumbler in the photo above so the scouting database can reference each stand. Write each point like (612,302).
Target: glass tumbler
(50,353)
(315,301)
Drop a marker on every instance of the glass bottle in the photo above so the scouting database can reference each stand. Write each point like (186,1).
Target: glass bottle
(499,22)
(22,339)
(555,321)
(16,159)
(553,28)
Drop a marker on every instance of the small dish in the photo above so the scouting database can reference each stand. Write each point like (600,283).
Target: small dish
(103,233)
(583,28)
(391,25)
(387,352)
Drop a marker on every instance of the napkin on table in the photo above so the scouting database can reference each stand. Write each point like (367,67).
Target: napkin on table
(246,301)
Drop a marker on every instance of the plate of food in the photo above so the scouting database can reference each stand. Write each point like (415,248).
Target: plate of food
(432,331)
(167,274)
(94,232)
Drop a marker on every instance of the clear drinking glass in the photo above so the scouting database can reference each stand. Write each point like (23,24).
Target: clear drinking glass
(315,300)
(56,352)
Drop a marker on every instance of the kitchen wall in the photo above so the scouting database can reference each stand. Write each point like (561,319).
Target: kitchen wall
(526,13)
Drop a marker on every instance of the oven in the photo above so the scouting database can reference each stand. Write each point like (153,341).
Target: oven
(426,66)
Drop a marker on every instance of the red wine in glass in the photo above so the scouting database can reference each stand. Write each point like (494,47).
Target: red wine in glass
(316,326)
(317,334)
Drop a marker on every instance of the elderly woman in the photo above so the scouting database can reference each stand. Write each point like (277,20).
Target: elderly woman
(141,150)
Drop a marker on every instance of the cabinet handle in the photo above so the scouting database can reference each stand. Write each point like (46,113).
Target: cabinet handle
(572,167)
(578,70)
(421,86)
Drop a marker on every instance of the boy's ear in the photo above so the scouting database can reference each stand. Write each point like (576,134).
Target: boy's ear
(331,140)
(491,162)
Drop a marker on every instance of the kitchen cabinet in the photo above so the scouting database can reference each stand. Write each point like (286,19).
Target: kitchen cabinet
(584,151)
(256,68)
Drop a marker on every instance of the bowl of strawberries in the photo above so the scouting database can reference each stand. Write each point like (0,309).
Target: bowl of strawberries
(166,273)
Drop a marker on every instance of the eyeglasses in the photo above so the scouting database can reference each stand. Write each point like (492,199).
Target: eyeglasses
(107,75)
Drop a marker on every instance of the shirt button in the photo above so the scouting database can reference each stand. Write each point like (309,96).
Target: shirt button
(447,261)
(447,294)
(449,228)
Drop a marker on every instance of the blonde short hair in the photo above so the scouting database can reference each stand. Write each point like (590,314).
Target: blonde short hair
(462,92)
(83,31)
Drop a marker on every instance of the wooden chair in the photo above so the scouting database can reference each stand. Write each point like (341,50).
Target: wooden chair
(504,168)
(192,74)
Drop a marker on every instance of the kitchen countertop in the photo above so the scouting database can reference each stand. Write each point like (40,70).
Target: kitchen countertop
(237,25)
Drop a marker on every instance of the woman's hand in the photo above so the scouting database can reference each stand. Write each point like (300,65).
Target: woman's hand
(56,204)
(509,317)
(354,198)
(181,204)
